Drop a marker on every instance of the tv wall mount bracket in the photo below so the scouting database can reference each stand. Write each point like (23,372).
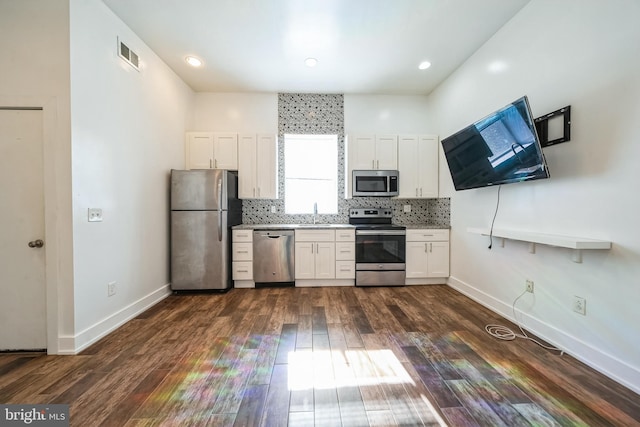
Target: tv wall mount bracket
(555,127)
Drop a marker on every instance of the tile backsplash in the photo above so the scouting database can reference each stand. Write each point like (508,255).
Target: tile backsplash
(423,211)
(324,114)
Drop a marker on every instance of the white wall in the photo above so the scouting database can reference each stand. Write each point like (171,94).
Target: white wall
(388,114)
(236,112)
(258,112)
(34,72)
(128,132)
(584,54)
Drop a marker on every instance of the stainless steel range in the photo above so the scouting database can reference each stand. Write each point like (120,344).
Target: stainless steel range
(380,247)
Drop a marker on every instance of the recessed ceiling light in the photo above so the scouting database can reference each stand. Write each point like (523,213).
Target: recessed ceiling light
(311,62)
(193,61)
(424,65)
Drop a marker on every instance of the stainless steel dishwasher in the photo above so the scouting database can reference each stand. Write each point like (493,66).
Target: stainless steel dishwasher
(273,256)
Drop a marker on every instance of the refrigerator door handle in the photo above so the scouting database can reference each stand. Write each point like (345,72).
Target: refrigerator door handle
(220,212)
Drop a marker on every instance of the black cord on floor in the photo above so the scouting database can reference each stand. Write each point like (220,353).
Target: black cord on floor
(494,218)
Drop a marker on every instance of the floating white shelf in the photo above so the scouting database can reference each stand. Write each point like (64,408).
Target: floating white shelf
(575,243)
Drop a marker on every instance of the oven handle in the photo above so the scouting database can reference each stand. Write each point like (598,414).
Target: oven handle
(381,232)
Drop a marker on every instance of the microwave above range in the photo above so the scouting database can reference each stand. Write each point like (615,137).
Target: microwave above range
(377,183)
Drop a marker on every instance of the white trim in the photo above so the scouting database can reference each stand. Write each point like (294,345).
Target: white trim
(82,340)
(607,364)
(311,283)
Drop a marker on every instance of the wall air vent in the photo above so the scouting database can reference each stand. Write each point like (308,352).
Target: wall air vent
(128,55)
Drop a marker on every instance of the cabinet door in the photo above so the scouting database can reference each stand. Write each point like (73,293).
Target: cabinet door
(416,259)
(438,259)
(266,167)
(305,264)
(362,152)
(325,260)
(247,166)
(418,166)
(199,150)
(225,151)
(428,166)
(387,152)
(408,166)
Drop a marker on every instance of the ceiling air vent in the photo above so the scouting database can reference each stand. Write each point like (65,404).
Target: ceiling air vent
(128,55)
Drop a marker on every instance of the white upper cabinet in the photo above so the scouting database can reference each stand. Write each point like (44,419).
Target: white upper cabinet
(199,150)
(225,151)
(257,166)
(373,152)
(209,150)
(387,152)
(418,166)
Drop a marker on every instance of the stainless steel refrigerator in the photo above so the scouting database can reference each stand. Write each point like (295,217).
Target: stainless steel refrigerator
(204,206)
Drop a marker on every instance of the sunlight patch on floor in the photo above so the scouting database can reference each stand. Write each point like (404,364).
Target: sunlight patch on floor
(325,369)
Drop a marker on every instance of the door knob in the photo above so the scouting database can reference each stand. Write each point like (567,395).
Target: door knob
(36,243)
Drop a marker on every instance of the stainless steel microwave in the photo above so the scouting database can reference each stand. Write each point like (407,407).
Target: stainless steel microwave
(375,183)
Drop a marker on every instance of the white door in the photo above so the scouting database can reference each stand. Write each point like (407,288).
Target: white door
(22,279)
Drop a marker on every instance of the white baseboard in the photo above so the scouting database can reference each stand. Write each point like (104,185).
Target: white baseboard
(602,362)
(75,344)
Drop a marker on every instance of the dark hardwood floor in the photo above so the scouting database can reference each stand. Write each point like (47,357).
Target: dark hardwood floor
(318,356)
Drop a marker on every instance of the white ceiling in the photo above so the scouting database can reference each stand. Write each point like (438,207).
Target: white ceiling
(362,46)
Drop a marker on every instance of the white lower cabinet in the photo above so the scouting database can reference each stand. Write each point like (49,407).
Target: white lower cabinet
(427,256)
(242,258)
(346,254)
(321,261)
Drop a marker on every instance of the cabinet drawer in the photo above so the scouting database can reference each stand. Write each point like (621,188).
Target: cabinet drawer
(345,269)
(345,235)
(242,270)
(345,251)
(427,235)
(242,251)
(315,235)
(241,235)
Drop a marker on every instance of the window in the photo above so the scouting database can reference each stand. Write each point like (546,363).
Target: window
(310,173)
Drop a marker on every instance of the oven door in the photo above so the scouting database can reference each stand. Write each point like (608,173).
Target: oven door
(380,257)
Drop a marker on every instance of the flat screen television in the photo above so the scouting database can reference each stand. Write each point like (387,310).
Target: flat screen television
(501,148)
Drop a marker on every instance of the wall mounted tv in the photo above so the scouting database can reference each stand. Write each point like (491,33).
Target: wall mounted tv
(501,148)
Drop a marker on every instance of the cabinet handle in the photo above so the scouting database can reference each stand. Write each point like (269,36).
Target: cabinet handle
(377,164)
(258,191)
(210,164)
(243,252)
(430,247)
(215,162)
(425,248)
(420,191)
(416,192)
(243,271)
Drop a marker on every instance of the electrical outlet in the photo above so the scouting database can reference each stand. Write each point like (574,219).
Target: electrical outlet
(111,289)
(529,286)
(95,214)
(273,209)
(406,208)
(580,305)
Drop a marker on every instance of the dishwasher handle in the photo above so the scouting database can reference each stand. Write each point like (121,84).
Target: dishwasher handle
(272,234)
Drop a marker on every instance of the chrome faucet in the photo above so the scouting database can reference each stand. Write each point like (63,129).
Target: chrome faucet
(315,211)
